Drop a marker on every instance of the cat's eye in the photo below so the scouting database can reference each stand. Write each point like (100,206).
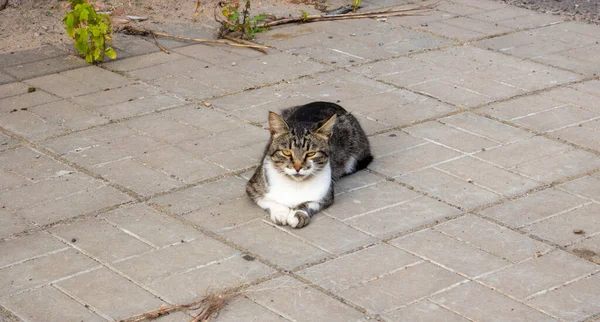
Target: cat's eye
(286,153)
(311,154)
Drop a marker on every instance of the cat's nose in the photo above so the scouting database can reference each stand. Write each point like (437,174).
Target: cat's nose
(297,168)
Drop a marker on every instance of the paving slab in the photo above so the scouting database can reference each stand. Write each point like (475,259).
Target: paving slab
(122,185)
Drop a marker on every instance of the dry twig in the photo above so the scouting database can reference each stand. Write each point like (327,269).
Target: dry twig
(207,308)
(370,14)
(144,32)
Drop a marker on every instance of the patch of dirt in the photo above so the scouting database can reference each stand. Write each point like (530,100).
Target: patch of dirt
(577,10)
(587,254)
(26,24)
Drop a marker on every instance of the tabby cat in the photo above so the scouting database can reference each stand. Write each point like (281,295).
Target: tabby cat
(311,146)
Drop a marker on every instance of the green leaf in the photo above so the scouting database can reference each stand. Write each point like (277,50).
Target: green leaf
(258,18)
(304,15)
(89,58)
(355,5)
(111,53)
(83,15)
(69,19)
(97,53)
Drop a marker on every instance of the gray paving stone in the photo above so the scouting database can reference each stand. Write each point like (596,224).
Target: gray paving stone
(6,78)
(214,277)
(479,303)
(110,293)
(585,134)
(142,61)
(12,89)
(43,270)
(404,217)
(242,158)
(65,184)
(392,142)
(167,69)
(45,67)
(33,306)
(26,100)
(574,97)
(492,238)
(236,138)
(102,145)
(413,159)
(205,119)
(30,164)
(244,309)
(538,274)
(369,199)
(148,224)
(216,54)
(357,268)
(115,96)
(555,119)
(574,302)
(299,302)
(403,115)
(449,252)
(521,107)
(11,224)
(31,55)
(489,176)
(450,137)
(418,281)
(175,259)
(522,152)
(203,196)
(165,129)
(560,166)
(502,14)
(485,127)
(588,186)
(29,247)
(332,235)
(289,252)
(588,249)
(67,115)
(143,105)
(138,177)
(561,229)
(91,235)
(10,180)
(73,205)
(356,180)
(532,208)
(268,69)
(423,311)
(227,215)
(449,188)
(30,126)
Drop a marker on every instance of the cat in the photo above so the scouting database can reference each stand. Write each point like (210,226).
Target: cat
(311,146)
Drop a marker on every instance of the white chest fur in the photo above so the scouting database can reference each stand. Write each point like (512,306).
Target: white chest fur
(291,193)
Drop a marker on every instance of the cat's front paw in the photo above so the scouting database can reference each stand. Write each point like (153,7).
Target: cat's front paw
(280,216)
(298,218)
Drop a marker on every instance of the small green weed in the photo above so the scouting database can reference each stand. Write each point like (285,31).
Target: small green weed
(91,31)
(245,24)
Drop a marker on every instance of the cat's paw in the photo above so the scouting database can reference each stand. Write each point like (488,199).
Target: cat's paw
(280,216)
(298,218)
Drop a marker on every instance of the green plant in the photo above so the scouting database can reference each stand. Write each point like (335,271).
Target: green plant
(91,31)
(247,25)
(355,5)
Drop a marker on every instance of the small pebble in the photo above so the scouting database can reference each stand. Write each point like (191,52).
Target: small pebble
(381,44)
(73,240)
(207,104)
(31,90)
(578,231)
(233,64)
(352,35)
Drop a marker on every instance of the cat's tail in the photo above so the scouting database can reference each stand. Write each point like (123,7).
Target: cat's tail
(364,162)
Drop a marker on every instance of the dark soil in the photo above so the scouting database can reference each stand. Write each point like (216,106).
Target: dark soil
(578,10)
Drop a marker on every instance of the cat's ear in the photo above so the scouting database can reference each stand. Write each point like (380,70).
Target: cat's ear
(325,129)
(277,125)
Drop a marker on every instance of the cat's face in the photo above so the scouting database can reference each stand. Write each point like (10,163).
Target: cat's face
(299,154)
